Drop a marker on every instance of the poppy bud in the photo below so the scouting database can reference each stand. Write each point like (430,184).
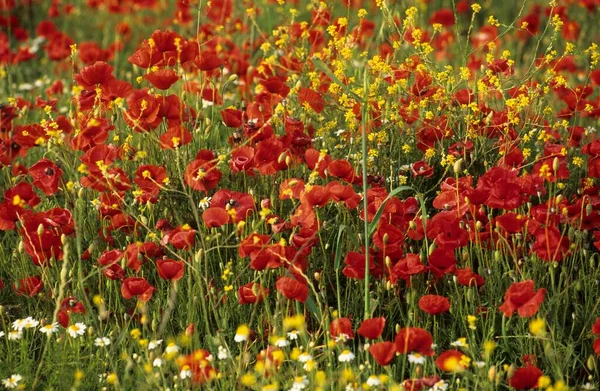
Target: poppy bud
(492,373)
(388,261)
(478,225)
(21,247)
(412,225)
(432,247)
(281,158)
(588,209)
(398,328)
(510,371)
(458,166)
(317,276)
(497,256)
(232,78)
(288,160)
(298,85)
(571,234)
(591,363)
(63,239)
(40,229)
(555,164)
(80,193)
(386,237)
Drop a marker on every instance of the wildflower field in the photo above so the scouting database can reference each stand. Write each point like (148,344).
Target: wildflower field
(299,195)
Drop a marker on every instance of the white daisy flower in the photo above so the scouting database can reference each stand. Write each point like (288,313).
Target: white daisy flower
(154,344)
(157,363)
(281,342)
(29,323)
(304,357)
(440,386)
(222,354)
(300,383)
(204,203)
(293,335)
(49,328)
(15,335)
(172,348)
(102,342)
(373,381)
(2,334)
(346,356)
(416,358)
(461,343)
(342,337)
(76,329)
(12,382)
(18,324)
(185,373)
(479,364)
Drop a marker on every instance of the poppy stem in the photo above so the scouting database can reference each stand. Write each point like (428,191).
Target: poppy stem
(365,113)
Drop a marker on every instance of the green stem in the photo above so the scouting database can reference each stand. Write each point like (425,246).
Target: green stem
(365,113)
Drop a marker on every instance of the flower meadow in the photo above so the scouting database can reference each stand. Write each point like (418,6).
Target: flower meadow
(299,195)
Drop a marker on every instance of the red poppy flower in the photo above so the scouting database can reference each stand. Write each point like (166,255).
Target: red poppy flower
(137,286)
(467,278)
(451,361)
(242,160)
(252,293)
(550,244)
(198,362)
(238,205)
(95,75)
(342,169)
(434,304)
(46,176)
(312,98)
(414,339)
(596,327)
(405,268)
(291,188)
(202,175)
(444,16)
(29,286)
(421,168)
(316,196)
(292,289)
(344,193)
(170,269)
(341,327)
(207,61)
(138,253)
(142,112)
(181,237)
(215,217)
(232,118)
(372,328)
(525,378)
(15,201)
(162,79)
(521,297)
(175,137)
(383,352)
(441,262)
(41,233)
(72,305)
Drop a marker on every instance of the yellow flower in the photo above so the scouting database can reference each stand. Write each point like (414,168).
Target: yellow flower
(537,327)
